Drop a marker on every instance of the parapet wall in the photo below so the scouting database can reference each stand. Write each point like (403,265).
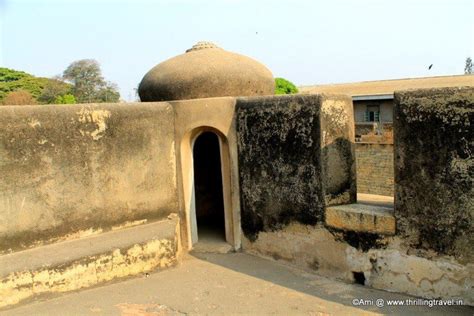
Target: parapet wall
(296,156)
(69,171)
(434,175)
(429,254)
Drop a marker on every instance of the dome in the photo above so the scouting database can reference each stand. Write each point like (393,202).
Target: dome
(205,71)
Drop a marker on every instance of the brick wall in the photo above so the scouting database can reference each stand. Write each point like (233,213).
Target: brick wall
(374,168)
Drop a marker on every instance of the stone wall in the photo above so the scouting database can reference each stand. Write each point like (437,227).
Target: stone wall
(279,150)
(296,156)
(384,262)
(338,153)
(276,201)
(70,171)
(434,175)
(375,168)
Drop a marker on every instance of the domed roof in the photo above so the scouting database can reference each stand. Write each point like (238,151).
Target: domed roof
(205,71)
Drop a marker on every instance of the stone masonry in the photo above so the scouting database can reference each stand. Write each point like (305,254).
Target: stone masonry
(374,168)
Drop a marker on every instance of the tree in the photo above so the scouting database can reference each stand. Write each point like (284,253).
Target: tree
(44,90)
(19,97)
(88,83)
(468,66)
(65,99)
(53,89)
(13,80)
(283,86)
(109,93)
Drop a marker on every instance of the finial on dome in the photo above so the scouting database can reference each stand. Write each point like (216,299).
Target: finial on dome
(202,45)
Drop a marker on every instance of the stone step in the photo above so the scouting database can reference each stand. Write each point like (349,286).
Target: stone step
(360,217)
(85,262)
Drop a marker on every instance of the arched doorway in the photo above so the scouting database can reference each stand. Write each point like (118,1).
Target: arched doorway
(208,188)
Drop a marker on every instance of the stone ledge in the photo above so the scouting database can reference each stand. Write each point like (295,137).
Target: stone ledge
(86,262)
(361,218)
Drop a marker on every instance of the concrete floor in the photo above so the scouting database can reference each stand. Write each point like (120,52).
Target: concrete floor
(211,240)
(224,284)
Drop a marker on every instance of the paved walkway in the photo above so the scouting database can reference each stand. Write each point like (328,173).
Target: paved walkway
(224,284)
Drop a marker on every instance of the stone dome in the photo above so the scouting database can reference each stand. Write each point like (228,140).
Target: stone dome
(205,71)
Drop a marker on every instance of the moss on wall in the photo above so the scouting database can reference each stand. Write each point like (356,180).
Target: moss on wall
(434,173)
(279,162)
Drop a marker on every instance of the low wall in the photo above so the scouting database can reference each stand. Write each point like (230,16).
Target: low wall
(69,171)
(428,253)
(381,263)
(375,168)
(434,175)
(295,157)
(87,262)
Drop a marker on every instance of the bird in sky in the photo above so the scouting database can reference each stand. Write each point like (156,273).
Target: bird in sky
(429,68)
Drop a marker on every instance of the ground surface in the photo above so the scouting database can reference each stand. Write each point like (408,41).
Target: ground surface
(224,284)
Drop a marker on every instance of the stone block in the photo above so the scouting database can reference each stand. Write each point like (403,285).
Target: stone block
(296,156)
(434,173)
(337,148)
(279,153)
(361,218)
(86,262)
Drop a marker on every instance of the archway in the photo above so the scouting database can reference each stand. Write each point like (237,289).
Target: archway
(208,188)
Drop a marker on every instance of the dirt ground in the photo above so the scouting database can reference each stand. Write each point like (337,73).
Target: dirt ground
(225,284)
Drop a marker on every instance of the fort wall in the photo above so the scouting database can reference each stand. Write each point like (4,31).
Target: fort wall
(434,169)
(289,181)
(77,170)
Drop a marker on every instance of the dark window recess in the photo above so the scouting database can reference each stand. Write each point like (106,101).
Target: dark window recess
(372,113)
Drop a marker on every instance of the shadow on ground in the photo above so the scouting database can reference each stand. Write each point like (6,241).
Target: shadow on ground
(321,287)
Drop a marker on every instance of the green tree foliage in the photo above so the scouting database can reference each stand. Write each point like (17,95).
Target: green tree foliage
(109,93)
(13,80)
(65,99)
(18,97)
(53,89)
(468,66)
(283,86)
(88,84)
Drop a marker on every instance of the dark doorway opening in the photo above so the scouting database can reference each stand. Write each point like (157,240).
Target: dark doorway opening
(208,187)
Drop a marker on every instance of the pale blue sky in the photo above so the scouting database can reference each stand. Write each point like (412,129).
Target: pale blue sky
(307,42)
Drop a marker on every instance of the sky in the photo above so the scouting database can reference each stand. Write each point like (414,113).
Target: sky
(305,41)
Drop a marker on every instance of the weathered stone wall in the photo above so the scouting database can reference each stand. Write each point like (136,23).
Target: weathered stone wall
(434,175)
(69,171)
(296,155)
(338,154)
(271,203)
(387,264)
(279,148)
(375,168)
